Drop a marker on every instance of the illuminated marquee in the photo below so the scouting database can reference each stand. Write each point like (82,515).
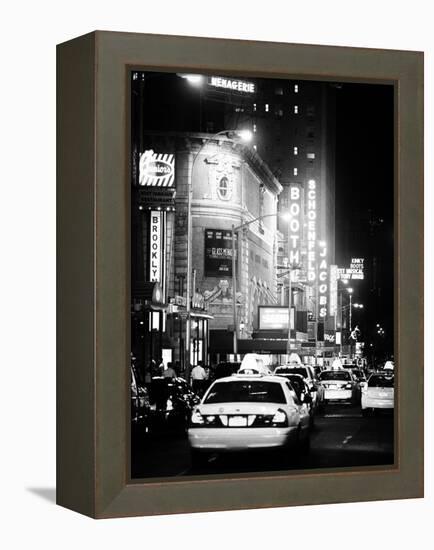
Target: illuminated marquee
(156,169)
(294,225)
(322,280)
(231,84)
(311,230)
(355,271)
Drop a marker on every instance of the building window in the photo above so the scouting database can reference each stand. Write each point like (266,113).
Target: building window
(310,133)
(295,88)
(311,156)
(278,91)
(295,109)
(223,188)
(295,171)
(295,150)
(254,107)
(278,112)
(254,127)
(257,258)
(265,263)
(267,107)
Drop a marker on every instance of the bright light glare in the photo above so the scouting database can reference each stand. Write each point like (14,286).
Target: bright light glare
(350,290)
(195,79)
(245,135)
(322,243)
(286,216)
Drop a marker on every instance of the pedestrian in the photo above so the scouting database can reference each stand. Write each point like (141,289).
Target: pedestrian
(168,371)
(198,379)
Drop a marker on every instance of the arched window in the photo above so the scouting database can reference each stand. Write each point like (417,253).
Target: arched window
(223,188)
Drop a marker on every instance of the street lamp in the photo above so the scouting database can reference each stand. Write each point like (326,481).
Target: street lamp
(234,136)
(350,292)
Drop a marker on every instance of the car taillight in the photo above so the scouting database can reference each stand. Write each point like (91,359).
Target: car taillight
(196,418)
(280,418)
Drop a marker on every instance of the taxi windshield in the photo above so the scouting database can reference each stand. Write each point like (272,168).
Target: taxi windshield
(246,391)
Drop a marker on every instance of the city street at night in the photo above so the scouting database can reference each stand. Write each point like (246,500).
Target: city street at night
(261,275)
(341,437)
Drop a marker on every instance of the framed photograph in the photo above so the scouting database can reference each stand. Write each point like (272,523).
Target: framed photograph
(240,274)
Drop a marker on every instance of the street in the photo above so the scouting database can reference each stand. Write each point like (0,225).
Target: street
(341,437)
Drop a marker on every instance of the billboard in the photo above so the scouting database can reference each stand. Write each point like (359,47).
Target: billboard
(275,317)
(218,253)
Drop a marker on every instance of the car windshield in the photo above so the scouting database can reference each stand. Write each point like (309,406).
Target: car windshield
(335,375)
(246,391)
(292,370)
(377,381)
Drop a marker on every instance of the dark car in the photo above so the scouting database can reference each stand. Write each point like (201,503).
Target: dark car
(301,390)
(172,402)
(140,403)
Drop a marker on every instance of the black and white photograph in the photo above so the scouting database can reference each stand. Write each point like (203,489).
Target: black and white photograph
(262,274)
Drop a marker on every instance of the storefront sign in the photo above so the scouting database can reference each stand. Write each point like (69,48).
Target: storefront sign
(355,271)
(155,235)
(231,84)
(218,253)
(156,169)
(311,230)
(294,225)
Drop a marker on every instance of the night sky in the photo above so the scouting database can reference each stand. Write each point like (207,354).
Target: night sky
(364,196)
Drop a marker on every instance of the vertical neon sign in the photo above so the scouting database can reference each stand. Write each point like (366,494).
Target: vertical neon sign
(322,282)
(311,230)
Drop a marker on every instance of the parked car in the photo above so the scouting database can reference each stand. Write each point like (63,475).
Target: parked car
(339,386)
(140,404)
(246,412)
(172,402)
(378,392)
(308,373)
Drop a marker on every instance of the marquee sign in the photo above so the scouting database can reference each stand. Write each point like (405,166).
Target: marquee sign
(156,256)
(232,84)
(354,272)
(156,169)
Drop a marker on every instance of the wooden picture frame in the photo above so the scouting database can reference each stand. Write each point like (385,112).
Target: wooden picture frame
(93,274)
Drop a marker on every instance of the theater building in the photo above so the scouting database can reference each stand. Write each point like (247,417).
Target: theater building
(229,185)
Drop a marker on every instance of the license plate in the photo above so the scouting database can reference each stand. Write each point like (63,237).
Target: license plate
(333,387)
(237,421)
